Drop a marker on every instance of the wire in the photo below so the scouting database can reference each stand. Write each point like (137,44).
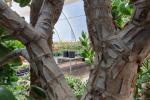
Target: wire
(72,17)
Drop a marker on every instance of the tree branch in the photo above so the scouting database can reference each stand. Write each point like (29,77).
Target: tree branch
(55,10)
(13,55)
(45,18)
(17,25)
(48,16)
(35,9)
(120,54)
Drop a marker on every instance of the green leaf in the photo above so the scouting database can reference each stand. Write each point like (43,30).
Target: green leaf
(84,35)
(3,51)
(124,9)
(80,39)
(83,54)
(23,3)
(5,94)
(84,43)
(39,91)
(120,22)
(6,38)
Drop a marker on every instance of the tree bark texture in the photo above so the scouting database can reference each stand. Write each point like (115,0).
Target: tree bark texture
(36,41)
(118,55)
(48,14)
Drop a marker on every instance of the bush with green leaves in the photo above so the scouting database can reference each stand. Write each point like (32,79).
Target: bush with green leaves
(77,85)
(86,50)
(121,12)
(20,89)
(6,94)
(22,3)
(20,86)
(143,78)
(7,45)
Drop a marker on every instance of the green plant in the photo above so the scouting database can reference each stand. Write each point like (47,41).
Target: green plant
(77,85)
(23,3)
(7,75)
(6,94)
(7,45)
(20,87)
(86,51)
(121,12)
(143,78)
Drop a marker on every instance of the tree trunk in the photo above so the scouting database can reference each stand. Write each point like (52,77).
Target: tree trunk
(36,40)
(49,14)
(53,79)
(118,55)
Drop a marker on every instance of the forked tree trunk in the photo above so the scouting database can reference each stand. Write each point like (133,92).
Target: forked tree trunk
(118,55)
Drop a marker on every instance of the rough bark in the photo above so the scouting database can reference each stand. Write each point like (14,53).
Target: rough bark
(117,55)
(44,15)
(51,78)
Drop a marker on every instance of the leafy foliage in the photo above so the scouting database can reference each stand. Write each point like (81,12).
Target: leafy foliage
(39,91)
(23,3)
(86,52)
(20,88)
(7,75)
(5,94)
(7,44)
(143,78)
(77,85)
(121,12)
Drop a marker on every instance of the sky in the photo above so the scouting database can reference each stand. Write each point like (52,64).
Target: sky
(70,24)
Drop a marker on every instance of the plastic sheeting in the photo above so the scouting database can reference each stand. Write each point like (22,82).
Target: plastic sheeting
(70,24)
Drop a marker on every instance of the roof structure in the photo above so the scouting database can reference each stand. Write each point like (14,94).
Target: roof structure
(70,24)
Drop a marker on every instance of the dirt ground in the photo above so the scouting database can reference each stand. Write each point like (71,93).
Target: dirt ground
(79,69)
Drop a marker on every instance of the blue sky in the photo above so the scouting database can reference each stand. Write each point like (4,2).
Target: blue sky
(76,17)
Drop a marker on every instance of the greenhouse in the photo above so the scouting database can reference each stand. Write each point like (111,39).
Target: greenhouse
(70,24)
(74,49)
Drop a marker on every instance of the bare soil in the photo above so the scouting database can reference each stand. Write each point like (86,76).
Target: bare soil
(79,69)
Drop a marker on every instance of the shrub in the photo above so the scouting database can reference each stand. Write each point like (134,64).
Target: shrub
(87,52)
(77,85)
